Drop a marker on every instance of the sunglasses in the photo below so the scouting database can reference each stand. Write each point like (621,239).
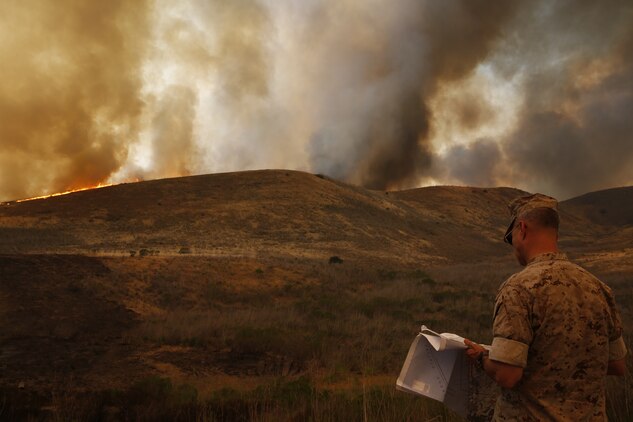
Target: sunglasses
(508,237)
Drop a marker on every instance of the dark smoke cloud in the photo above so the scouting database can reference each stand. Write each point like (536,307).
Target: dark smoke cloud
(573,131)
(69,92)
(475,164)
(374,123)
(576,132)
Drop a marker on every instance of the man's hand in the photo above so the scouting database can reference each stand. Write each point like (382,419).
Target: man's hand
(507,376)
(474,350)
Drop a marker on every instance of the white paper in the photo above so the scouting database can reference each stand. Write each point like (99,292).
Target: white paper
(436,367)
(443,341)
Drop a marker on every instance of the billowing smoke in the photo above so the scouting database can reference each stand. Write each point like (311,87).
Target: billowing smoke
(377,68)
(536,95)
(172,132)
(474,164)
(576,130)
(571,65)
(69,91)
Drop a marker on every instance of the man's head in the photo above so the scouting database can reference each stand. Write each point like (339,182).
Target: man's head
(534,226)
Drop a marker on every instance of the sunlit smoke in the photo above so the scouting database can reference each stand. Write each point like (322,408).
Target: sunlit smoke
(69,92)
(536,95)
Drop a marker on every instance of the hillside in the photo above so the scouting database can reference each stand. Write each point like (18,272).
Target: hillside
(284,213)
(610,207)
(224,283)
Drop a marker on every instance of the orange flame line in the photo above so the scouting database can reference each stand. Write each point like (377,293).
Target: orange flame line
(99,186)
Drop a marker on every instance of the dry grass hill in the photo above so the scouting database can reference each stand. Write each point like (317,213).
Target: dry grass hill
(260,213)
(247,296)
(288,213)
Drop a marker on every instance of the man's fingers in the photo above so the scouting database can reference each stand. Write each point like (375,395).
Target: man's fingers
(473,346)
(474,349)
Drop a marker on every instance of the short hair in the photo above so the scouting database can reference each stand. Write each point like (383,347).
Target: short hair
(544,217)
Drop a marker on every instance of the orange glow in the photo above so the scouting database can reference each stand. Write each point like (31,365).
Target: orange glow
(100,185)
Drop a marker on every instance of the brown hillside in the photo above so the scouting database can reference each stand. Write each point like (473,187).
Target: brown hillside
(289,213)
(230,285)
(280,213)
(611,207)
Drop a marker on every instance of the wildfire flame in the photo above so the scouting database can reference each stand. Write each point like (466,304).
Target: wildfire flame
(99,186)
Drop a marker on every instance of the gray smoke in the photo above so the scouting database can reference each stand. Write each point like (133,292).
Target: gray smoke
(475,164)
(378,71)
(150,89)
(576,132)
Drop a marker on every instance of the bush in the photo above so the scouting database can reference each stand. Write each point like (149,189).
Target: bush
(148,252)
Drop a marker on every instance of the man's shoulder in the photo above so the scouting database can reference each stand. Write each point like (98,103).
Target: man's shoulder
(527,275)
(547,268)
(516,284)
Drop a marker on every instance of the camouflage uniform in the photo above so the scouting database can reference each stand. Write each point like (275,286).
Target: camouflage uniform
(560,324)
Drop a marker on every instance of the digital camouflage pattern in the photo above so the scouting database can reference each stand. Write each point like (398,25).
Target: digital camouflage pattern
(482,395)
(560,324)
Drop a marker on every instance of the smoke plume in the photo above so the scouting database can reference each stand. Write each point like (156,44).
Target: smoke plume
(570,63)
(172,132)
(576,133)
(536,95)
(378,71)
(69,92)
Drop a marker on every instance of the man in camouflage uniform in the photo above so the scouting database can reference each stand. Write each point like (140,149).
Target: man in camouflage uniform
(556,330)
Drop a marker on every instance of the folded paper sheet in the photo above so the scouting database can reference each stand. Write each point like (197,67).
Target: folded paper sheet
(437,367)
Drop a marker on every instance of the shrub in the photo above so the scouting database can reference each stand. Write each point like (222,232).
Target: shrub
(335,260)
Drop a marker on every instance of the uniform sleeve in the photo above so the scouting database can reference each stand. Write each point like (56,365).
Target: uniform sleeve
(617,348)
(511,329)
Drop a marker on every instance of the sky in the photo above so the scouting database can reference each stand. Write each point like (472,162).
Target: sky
(534,94)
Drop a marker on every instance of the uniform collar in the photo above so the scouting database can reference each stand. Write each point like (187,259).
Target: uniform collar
(548,256)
